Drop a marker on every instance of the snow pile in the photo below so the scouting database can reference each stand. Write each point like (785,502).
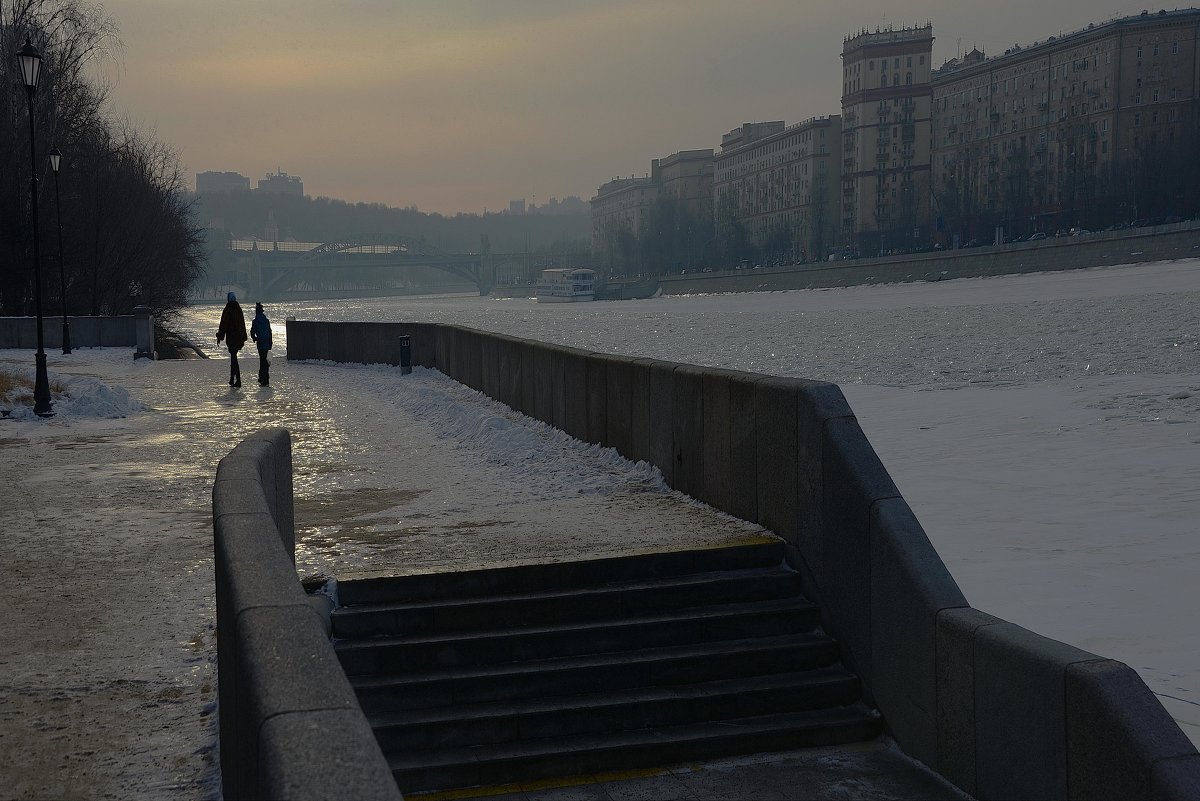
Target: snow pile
(87,397)
(77,397)
(529,449)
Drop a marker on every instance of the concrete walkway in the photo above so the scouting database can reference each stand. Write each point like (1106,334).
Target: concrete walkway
(107,664)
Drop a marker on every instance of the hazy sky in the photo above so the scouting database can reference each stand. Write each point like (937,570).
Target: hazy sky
(461,105)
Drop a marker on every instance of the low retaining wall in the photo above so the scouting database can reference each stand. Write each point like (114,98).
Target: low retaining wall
(998,710)
(1177,241)
(86,332)
(290,724)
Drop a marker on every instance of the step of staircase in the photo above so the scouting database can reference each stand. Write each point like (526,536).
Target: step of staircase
(557,575)
(671,666)
(697,624)
(591,603)
(613,710)
(495,676)
(626,750)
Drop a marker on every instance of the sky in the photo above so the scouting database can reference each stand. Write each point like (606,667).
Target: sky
(462,105)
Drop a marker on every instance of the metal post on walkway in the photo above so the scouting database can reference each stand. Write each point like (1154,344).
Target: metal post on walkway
(55,161)
(31,70)
(405,355)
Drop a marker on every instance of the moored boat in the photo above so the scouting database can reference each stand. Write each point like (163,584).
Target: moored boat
(566,285)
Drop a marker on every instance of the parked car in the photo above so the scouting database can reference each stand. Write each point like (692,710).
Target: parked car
(1036,236)
(1079,231)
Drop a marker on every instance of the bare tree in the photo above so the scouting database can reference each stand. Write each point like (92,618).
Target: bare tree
(129,237)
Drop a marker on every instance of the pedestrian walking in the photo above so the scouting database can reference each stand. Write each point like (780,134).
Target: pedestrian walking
(260,332)
(233,331)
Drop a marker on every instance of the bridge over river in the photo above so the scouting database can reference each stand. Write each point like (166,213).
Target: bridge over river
(269,269)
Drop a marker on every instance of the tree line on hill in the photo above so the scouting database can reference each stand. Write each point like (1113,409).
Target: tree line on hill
(128,236)
(242,215)
(561,237)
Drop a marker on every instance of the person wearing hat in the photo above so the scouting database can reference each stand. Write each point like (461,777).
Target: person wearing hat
(233,331)
(260,332)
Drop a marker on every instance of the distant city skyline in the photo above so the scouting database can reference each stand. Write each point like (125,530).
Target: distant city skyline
(468,104)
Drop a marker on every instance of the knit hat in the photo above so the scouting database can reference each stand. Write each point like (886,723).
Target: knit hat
(232,298)
(258,309)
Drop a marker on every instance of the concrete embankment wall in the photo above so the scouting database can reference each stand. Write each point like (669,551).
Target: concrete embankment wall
(86,332)
(1178,241)
(998,710)
(290,724)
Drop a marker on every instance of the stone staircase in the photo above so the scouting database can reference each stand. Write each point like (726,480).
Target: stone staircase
(496,676)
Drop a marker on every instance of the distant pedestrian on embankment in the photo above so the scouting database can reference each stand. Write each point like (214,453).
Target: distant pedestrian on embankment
(260,332)
(233,331)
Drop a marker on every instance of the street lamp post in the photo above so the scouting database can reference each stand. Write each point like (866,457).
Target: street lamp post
(55,161)
(31,70)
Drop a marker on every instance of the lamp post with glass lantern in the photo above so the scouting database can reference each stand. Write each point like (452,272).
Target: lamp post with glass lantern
(31,70)
(55,161)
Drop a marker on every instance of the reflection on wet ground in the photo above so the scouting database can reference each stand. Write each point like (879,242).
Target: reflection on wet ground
(341,505)
(83,442)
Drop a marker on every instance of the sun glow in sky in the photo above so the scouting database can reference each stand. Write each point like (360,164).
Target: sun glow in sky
(462,105)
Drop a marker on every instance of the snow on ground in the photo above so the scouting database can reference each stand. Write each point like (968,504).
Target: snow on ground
(107,671)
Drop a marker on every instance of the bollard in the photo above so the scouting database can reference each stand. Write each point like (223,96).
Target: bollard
(405,355)
(144,333)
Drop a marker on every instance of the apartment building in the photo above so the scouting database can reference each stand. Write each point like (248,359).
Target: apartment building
(280,183)
(213,182)
(620,204)
(1051,134)
(885,122)
(782,183)
(688,177)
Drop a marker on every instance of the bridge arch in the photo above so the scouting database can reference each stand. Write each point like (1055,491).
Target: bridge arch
(280,266)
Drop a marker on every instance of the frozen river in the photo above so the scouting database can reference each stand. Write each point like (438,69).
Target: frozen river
(1044,428)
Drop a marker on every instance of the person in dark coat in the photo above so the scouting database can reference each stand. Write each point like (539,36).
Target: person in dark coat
(260,332)
(233,331)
